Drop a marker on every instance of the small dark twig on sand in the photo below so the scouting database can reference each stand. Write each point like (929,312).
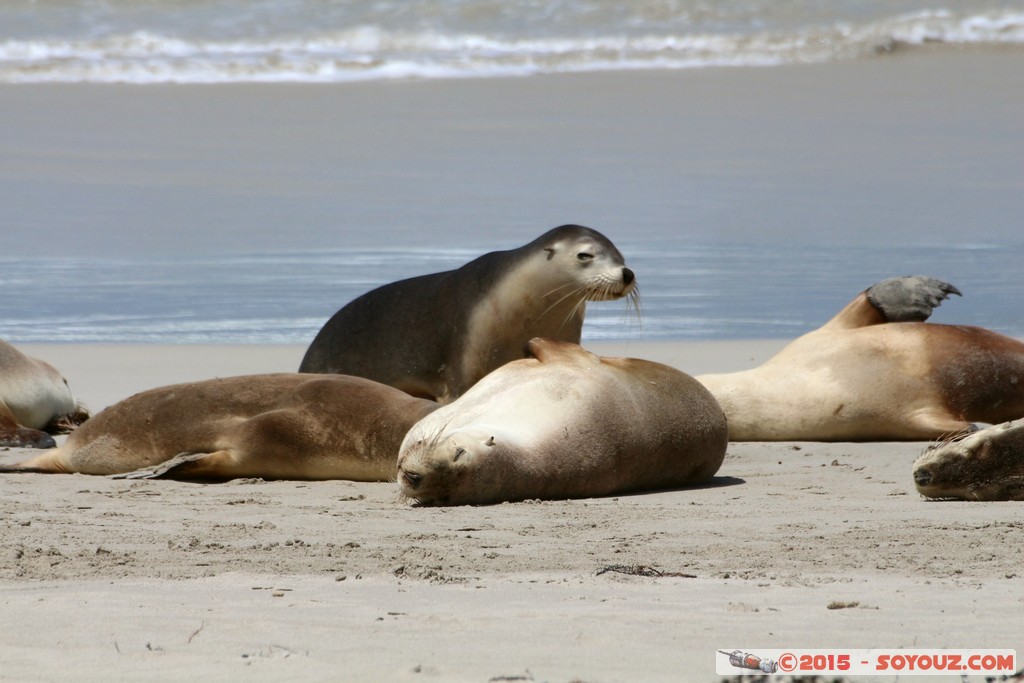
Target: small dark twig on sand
(641,570)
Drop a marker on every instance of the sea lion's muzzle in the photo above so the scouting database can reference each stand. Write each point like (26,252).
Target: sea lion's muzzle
(922,477)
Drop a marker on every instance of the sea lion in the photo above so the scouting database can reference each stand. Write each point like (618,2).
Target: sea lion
(877,372)
(564,423)
(282,426)
(987,464)
(434,336)
(35,401)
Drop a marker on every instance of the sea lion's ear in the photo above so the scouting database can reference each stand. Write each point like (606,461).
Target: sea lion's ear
(551,252)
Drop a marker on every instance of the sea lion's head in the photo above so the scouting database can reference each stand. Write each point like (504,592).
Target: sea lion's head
(984,465)
(590,262)
(464,466)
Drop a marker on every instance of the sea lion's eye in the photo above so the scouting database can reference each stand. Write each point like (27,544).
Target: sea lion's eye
(584,256)
(458,453)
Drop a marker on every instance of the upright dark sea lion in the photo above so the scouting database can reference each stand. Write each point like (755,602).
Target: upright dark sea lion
(565,424)
(35,401)
(285,426)
(436,335)
(877,372)
(987,464)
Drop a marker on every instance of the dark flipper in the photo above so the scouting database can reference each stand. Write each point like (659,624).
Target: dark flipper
(164,469)
(909,299)
(16,436)
(13,435)
(18,469)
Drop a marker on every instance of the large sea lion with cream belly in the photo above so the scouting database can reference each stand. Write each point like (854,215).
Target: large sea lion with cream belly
(35,401)
(987,464)
(565,423)
(283,426)
(436,335)
(877,372)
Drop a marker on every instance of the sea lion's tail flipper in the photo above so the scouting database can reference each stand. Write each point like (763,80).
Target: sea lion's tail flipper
(909,299)
(25,469)
(896,300)
(23,437)
(13,435)
(547,350)
(50,462)
(182,466)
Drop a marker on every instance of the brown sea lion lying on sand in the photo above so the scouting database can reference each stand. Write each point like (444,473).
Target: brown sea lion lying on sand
(284,426)
(878,372)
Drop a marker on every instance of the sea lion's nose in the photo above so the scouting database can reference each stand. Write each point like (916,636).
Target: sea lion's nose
(922,477)
(628,276)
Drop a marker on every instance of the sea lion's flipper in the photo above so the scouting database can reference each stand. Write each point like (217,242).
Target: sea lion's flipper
(13,435)
(25,469)
(909,299)
(50,462)
(181,466)
(23,437)
(938,425)
(68,422)
(896,300)
(547,350)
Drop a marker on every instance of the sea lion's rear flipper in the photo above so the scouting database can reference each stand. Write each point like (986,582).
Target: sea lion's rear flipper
(26,468)
(184,466)
(13,435)
(909,299)
(895,300)
(548,350)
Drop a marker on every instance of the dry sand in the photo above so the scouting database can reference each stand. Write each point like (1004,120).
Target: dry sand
(161,580)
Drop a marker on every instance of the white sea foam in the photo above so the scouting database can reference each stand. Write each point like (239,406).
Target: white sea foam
(373,53)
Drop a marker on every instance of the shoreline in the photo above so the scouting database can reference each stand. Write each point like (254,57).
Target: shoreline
(899,50)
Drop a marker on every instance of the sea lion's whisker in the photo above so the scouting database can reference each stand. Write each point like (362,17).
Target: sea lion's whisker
(573,312)
(567,284)
(435,438)
(633,307)
(575,308)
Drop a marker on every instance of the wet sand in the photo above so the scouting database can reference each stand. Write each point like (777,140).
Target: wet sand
(910,149)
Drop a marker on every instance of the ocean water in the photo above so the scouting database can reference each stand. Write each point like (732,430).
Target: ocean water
(697,293)
(220,214)
(219,41)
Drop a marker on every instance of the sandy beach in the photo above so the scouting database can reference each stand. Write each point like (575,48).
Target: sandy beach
(160,580)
